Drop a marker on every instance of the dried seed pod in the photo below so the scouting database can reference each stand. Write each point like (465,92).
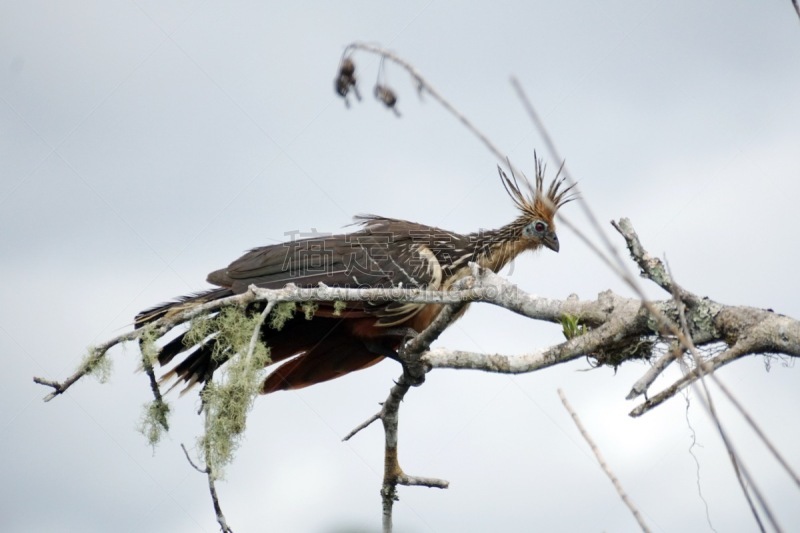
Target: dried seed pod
(347,67)
(342,86)
(346,79)
(385,95)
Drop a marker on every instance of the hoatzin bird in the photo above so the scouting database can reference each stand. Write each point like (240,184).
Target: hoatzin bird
(383,253)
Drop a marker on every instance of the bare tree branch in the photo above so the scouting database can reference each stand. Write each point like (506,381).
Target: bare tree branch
(616,329)
(753,424)
(613,322)
(389,414)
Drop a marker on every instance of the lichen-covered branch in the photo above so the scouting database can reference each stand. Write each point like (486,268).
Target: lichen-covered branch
(614,325)
(609,330)
(290,293)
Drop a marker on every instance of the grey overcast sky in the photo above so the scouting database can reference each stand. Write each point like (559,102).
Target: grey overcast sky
(145,143)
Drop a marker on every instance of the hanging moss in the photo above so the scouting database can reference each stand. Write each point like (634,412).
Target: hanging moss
(233,328)
(228,398)
(148,347)
(309,309)
(280,314)
(97,365)
(200,327)
(338,307)
(227,402)
(154,421)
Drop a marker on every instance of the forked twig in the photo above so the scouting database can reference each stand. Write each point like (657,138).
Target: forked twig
(209,473)
(389,414)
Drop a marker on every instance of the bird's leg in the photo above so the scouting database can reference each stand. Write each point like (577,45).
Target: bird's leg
(412,371)
(405,333)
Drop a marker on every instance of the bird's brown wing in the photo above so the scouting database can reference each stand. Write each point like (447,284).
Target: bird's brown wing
(385,253)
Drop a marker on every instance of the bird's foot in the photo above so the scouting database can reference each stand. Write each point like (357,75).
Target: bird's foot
(413,373)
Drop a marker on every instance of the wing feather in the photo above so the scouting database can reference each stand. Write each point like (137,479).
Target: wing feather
(384,253)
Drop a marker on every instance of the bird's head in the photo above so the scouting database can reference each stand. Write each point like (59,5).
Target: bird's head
(535,226)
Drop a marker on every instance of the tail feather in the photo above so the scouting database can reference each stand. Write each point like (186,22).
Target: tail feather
(197,367)
(311,351)
(181,304)
(171,349)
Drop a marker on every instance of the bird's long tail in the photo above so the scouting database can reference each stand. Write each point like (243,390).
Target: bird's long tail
(311,351)
(179,305)
(199,364)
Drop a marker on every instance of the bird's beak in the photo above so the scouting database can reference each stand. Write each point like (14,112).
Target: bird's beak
(551,241)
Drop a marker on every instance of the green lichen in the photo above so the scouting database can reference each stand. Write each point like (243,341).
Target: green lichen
(228,398)
(227,402)
(154,421)
(280,314)
(338,307)
(233,331)
(200,327)
(309,309)
(701,318)
(147,345)
(96,364)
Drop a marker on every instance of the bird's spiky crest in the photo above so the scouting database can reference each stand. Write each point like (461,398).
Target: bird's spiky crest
(537,203)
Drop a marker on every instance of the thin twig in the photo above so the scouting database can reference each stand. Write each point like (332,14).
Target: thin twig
(705,396)
(393,474)
(652,268)
(733,353)
(417,481)
(754,425)
(365,424)
(618,265)
(212,489)
(643,383)
(223,524)
(423,84)
(603,464)
(188,458)
(742,473)
(257,328)
(389,414)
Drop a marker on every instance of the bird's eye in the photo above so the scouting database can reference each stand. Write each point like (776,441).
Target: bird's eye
(537,227)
